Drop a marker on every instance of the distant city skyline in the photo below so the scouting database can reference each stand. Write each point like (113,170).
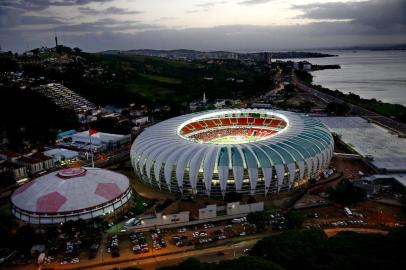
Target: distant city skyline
(238,25)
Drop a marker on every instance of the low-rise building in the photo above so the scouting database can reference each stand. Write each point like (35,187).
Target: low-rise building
(16,171)
(61,154)
(36,163)
(141,120)
(101,140)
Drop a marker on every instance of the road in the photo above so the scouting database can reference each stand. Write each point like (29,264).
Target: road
(372,116)
(333,231)
(210,254)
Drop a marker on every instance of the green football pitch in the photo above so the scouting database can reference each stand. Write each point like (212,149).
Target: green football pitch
(234,139)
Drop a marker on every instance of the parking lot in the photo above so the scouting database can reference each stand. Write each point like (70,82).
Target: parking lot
(156,242)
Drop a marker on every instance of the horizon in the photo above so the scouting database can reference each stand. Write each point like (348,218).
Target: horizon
(233,25)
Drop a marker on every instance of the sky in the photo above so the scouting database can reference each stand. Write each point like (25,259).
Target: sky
(236,25)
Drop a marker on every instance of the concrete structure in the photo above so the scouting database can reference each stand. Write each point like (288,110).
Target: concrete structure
(231,209)
(36,163)
(209,213)
(17,171)
(160,220)
(65,98)
(71,194)
(236,208)
(101,140)
(61,154)
(384,150)
(399,178)
(141,120)
(269,151)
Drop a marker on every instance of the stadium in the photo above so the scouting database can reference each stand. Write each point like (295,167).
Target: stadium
(71,194)
(250,151)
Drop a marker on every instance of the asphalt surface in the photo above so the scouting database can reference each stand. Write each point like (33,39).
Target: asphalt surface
(210,254)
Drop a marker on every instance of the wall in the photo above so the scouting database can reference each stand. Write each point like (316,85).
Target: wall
(159,219)
(236,208)
(210,211)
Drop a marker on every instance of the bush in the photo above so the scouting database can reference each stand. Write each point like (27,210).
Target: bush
(346,193)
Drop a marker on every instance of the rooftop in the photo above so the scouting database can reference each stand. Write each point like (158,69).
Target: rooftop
(368,139)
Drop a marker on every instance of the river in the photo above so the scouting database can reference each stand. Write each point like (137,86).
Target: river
(369,74)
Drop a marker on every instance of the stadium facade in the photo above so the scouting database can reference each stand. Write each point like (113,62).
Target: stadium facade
(71,194)
(251,151)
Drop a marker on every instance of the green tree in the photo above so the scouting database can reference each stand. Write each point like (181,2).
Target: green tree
(294,219)
(337,108)
(243,263)
(346,193)
(259,219)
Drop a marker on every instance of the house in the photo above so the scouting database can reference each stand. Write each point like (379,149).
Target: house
(17,171)
(36,163)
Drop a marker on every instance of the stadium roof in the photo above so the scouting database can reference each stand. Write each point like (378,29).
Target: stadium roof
(368,139)
(304,139)
(70,190)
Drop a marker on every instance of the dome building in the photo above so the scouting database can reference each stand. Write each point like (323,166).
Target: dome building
(250,151)
(71,194)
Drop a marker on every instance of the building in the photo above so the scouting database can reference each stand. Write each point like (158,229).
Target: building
(61,154)
(267,57)
(36,163)
(384,150)
(16,171)
(251,151)
(65,134)
(185,216)
(9,155)
(140,121)
(100,140)
(65,98)
(71,194)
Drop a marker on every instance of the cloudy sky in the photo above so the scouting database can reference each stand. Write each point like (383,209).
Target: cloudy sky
(240,25)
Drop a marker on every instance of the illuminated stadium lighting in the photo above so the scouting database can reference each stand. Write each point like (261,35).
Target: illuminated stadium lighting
(251,151)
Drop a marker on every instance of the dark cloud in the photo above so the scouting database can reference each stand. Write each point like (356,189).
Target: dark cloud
(374,13)
(108,11)
(10,18)
(254,2)
(109,35)
(357,23)
(104,25)
(44,4)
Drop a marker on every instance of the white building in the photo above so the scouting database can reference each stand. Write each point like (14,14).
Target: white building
(141,120)
(71,194)
(61,154)
(100,139)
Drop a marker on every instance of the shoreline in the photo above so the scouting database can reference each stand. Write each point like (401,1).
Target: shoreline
(391,110)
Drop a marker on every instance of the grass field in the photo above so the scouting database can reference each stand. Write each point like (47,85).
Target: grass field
(163,79)
(234,139)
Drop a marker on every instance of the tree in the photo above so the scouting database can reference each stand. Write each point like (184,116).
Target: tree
(294,219)
(337,108)
(290,88)
(259,219)
(346,193)
(242,263)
